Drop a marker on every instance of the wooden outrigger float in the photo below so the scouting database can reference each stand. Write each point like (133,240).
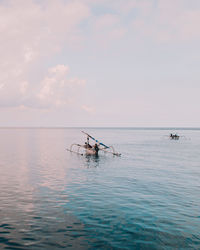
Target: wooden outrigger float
(92,150)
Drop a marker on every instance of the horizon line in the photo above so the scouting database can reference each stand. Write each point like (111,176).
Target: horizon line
(96,127)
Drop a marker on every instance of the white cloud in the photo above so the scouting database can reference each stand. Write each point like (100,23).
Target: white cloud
(32,32)
(168,21)
(24,87)
(88,109)
(57,89)
(160,20)
(59,70)
(107,29)
(38,38)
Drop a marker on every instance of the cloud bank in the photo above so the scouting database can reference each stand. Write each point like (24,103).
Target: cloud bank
(96,55)
(33,32)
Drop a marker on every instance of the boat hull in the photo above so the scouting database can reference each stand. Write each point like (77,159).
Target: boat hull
(91,152)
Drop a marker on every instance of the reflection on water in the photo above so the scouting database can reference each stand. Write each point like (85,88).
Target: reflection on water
(146,199)
(92,161)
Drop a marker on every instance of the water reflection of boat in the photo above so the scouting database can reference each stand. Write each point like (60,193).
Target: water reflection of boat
(92,149)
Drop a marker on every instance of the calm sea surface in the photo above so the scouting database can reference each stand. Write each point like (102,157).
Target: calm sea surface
(149,198)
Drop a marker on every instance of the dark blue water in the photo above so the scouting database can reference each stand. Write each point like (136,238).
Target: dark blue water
(149,198)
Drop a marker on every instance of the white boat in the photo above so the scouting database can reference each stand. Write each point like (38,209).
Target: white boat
(92,150)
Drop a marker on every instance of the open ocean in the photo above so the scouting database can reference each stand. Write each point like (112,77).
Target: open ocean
(149,198)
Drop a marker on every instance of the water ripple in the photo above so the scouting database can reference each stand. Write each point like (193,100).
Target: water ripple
(147,199)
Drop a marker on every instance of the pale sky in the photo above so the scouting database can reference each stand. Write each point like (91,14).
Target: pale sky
(100,63)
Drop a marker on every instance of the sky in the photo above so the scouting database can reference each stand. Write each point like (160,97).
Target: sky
(100,63)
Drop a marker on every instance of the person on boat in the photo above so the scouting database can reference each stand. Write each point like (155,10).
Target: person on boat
(176,136)
(87,144)
(96,148)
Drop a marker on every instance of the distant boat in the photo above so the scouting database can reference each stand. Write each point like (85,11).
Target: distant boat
(92,150)
(174,137)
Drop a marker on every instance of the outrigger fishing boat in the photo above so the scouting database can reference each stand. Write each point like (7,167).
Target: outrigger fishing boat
(92,150)
(174,137)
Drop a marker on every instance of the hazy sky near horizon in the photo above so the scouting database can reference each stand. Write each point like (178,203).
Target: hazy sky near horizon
(100,63)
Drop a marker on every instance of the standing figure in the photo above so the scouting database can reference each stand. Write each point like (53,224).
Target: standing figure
(96,148)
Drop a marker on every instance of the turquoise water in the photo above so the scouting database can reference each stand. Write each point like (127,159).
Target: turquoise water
(149,198)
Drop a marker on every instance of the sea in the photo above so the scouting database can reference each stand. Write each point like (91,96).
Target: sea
(149,198)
